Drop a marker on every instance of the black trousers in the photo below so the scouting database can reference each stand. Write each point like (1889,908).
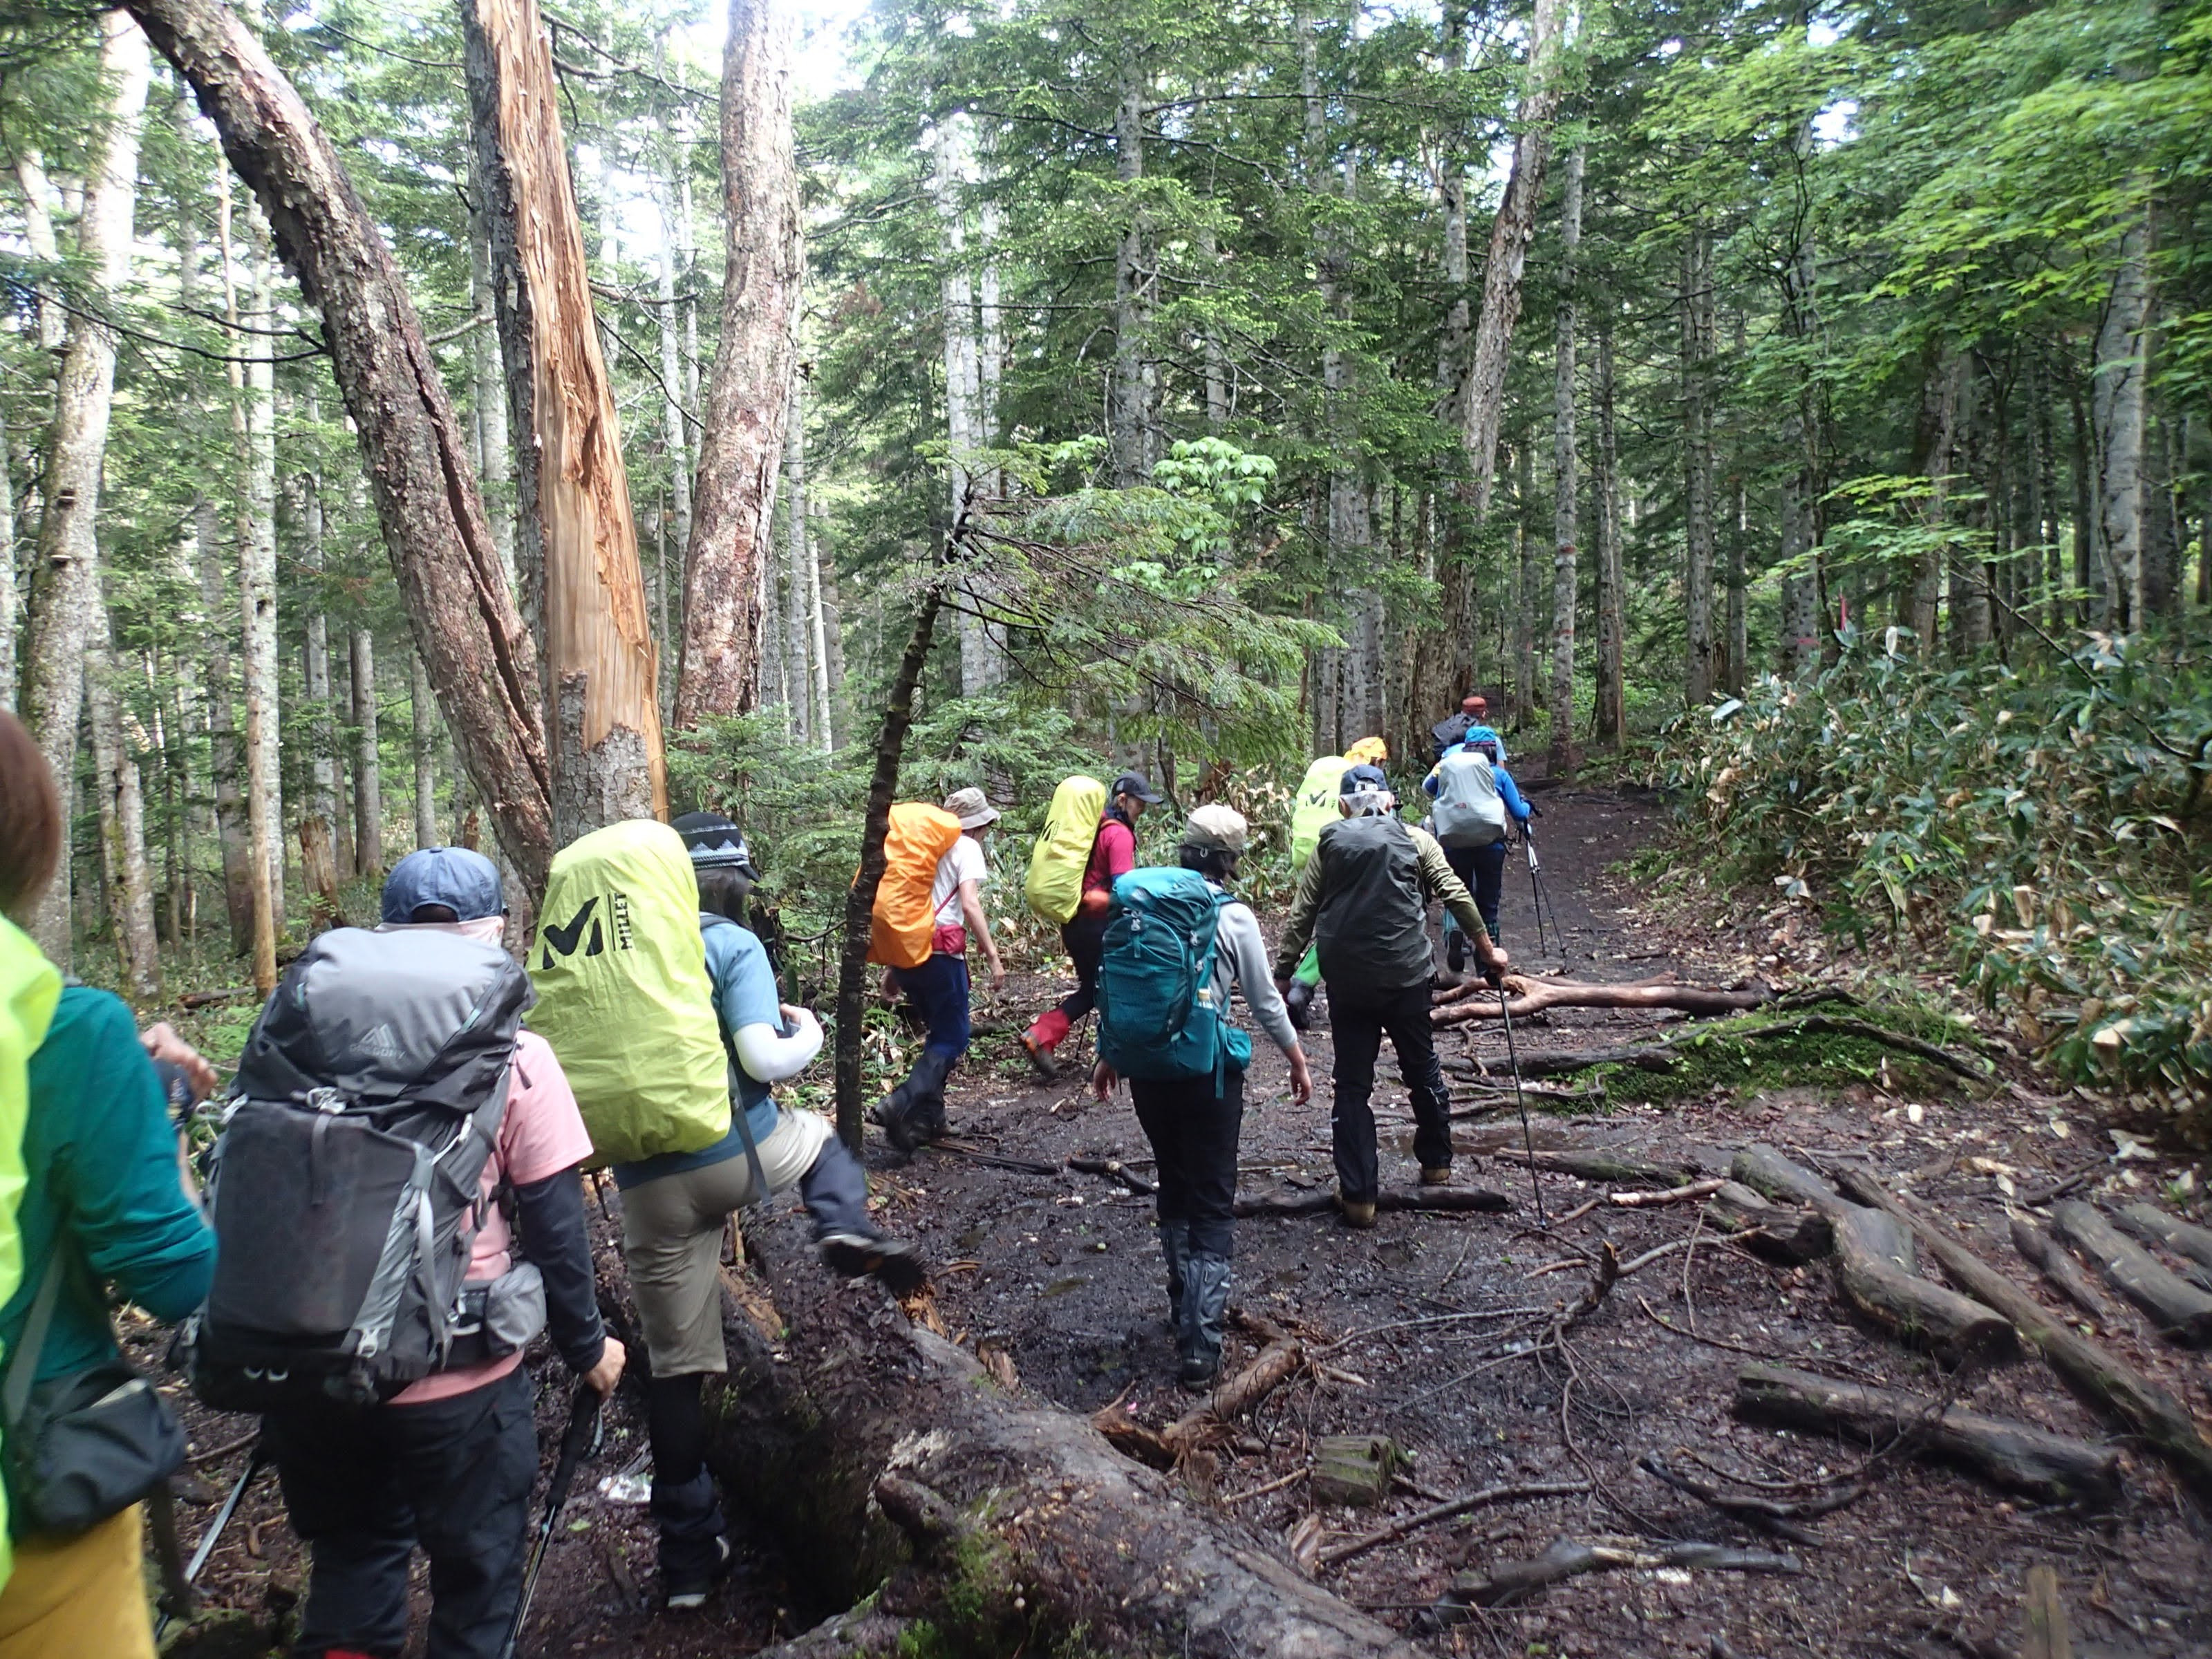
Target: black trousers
(1085,939)
(1483,870)
(1358,1018)
(366,1486)
(1193,1131)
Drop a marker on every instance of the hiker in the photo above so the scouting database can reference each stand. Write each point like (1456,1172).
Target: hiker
(676,1205)
(447,1462)
(1363,899)
(1448,734)
(1313,809)
(1113,855)
(1192,1118)
(914,1111)
(1476,800)
(105,1198)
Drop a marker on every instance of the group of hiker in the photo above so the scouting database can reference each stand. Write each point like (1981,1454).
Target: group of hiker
(394,1208)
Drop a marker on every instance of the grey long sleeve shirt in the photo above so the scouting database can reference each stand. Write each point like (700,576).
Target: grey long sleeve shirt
(1241,955)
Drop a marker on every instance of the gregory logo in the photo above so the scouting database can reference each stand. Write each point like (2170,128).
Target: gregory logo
(379,1044)
(586,933)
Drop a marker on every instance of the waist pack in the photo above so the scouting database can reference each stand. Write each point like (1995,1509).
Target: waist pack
(1313,809)
(346,1185)
(903,918)
(1159,1016)
(623,996)
(1054,886)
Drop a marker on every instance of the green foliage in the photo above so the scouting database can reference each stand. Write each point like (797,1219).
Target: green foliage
(2046,824)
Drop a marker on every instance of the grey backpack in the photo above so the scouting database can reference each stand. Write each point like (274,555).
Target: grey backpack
(346,1186)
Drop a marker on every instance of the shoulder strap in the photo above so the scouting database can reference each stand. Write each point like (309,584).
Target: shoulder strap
(23,1364)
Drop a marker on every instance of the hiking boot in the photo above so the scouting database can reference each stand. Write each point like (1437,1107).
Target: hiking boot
(1456,951)
(1436,1175)
(1041,1060)
(914,1112)
(1046,1033)
(1357,1214)
(1297,1003)
(687,1590)
(853,1252)
(1205,1313)
(694,1553)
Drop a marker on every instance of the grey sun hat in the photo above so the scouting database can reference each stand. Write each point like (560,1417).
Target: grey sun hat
(971,808)
(1216,828)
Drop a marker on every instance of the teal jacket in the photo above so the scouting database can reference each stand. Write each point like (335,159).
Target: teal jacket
(101,1156)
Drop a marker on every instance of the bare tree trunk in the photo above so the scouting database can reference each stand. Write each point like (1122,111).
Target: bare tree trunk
(481,660)
(368,765)
(122,797)
(1940,419)
(829,631)
(1611,706)
(742,438)
(603,711)
(983,662)
(317,719)
(487,399)
(1801,591)
(791,576)
(423,710)
(2117,397)
(1528,694)
(1482,395)
(676,436)
(1132,406)
(1700,674)
(256,537)
(38,234)
(64,596)
(1565,503)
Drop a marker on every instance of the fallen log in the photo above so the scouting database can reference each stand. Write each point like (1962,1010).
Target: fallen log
(2148,1222)
(1526,997)
(2183,1313)
(1874,1264)
(1065,1541)
(2014,1457)
(2107,1383)
(1510,1581)
(1442,1200)
(1611,1167)
(2057,1265)
(1788,1234)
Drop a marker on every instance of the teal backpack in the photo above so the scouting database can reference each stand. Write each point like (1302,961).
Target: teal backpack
(1156,1016)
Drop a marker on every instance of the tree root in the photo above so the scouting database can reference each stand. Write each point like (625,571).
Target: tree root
(1772,1515)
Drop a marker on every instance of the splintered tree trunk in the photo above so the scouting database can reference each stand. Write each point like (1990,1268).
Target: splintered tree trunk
(482,661)
(1482,395)
(603,710)
(741,440)
(122,817)
(367,768)
(1699,671)
(423,712)
(2118,398)
(1566,532)
(66,579)
(1611,705)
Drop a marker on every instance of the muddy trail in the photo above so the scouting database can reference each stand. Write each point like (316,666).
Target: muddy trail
(1440,1332)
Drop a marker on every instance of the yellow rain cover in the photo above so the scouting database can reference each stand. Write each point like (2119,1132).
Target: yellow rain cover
(1062,852)
(30,985)
(1314,808)
(623,997)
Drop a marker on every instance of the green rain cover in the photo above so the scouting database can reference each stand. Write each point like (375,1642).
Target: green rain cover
(1314,808)
(623,993)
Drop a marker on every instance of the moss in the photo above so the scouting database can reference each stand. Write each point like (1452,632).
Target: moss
(1721,1058)
(982,1613)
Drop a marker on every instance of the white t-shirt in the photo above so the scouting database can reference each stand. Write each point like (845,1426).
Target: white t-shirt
(964,862)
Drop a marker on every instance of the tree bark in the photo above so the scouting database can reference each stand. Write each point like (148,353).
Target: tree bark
(2182,1312)
(1528,584)
(1700,669)
(423,711)
(603,706)
(367,766)
(1482,394)
(831,655)
(791,574)
(253,424)
(482,661)
(859,902)
(1565,485)
(122,798)
(39,235)
(676,435)
(742,438)
(495,457)
(64,595)
(2118,398)
(1612,722)
(317,720)
(1131,417)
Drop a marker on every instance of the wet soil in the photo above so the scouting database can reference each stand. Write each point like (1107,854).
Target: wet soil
(1060,1272)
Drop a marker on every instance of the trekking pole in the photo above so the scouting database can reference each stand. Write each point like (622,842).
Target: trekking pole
(1537,888)
(579,1441)
(1528,1137)
(254,1465)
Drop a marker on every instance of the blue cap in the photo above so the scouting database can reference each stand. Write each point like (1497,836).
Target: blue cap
(466,883)
(1364,777)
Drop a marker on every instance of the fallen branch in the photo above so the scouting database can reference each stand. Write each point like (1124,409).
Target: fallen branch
(1114,1170)
(1769,1515)
(2037,1197)
(1444,1200)
(2183,1313)
(209,998)
(1163,1449)
(1449,1509)
(2011,1455)
(1696,1189)
(2107,1382)
(2059,1266)
(1514,1581)
(1527,997)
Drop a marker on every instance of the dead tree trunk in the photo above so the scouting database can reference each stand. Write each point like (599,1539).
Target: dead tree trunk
(1565,557)
(859,902)
(66,589)
(603,708)
(741,442)
(481,660)
(1080,1539)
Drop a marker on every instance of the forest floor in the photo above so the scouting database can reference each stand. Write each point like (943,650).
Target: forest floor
(1060,1272)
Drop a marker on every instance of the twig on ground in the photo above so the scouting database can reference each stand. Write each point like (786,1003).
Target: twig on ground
(1513,1581)
(1449,1509)
(1696,1189)
(1289,1479)
(1769,1515)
